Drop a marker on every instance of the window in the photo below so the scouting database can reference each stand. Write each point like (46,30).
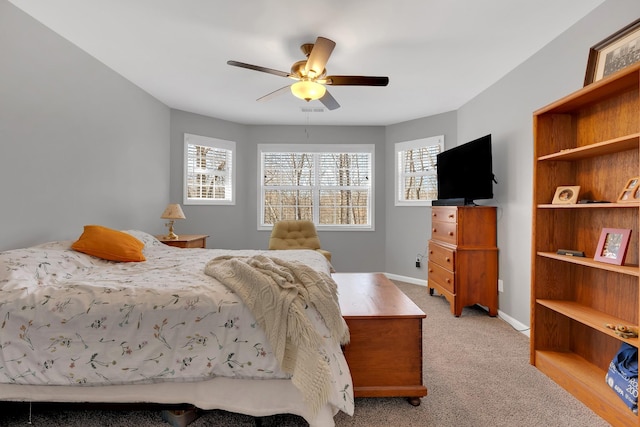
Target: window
(416,177)
(331,185)
(209,175)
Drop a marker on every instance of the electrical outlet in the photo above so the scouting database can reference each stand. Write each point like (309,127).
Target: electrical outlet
(500,285)
(417,262)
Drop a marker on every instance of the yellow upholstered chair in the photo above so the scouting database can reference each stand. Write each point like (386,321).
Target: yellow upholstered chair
(296,234)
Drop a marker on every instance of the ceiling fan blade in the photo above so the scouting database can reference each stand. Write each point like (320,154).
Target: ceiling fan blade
(319,56)
(329,101)
(274,93)
(356,81)
(259,68)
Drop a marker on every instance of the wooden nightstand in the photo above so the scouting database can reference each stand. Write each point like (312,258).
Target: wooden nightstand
(186,241)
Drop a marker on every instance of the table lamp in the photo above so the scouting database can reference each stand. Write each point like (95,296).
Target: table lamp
(172,212)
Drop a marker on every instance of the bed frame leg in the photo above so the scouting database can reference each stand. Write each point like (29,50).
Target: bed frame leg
(180,417)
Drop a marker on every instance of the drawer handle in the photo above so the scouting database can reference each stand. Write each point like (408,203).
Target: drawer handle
(430,252)
(450,215)
(451,233)
(430,271)
(433,230)
(448,280)
(447,259)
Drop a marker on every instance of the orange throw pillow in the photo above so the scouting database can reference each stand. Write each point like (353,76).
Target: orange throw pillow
(112,245)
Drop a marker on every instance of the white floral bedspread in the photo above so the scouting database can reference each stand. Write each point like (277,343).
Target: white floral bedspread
(67,318)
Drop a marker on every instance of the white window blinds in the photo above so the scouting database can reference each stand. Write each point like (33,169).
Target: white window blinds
(209,170)
(416,173)
(327,184)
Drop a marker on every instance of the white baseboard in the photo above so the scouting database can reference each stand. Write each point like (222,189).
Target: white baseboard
(406,279)
(515,324)
(518,326)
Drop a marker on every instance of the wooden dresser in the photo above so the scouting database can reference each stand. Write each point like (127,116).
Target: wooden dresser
(463,256)
(385,352)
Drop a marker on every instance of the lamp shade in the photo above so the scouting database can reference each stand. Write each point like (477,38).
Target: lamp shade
(173,211)
(308,90)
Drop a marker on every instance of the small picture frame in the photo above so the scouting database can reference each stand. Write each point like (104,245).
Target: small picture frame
(613,245)
(566,195)
(614,53)
(631,191)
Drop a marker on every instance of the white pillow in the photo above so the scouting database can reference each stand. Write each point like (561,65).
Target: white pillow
(146,238)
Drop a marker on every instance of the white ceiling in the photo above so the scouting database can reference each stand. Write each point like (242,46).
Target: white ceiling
(438,54)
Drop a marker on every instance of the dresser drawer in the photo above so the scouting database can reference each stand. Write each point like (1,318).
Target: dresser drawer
(440,276)
(442,255)
(444,232)
(444,213)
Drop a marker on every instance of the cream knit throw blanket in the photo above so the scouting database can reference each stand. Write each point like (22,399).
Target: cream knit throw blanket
(277,293)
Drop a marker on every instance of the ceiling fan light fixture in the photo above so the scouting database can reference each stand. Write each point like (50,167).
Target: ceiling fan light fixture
(312,75)
(308,90)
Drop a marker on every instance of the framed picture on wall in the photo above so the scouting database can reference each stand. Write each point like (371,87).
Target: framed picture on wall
(614,53)
(613,245)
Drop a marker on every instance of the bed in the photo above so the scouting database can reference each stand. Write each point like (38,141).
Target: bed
(78,328)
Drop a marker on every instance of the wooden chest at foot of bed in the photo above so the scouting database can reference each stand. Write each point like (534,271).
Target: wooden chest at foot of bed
(385,352)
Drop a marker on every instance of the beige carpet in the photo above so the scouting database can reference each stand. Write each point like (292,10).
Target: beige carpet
(476,369)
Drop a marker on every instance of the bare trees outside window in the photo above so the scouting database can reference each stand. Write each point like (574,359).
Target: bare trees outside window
(416,171)
(331,188)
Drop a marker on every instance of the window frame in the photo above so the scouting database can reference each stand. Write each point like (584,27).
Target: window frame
(317,149)
(400,174)
(217,144)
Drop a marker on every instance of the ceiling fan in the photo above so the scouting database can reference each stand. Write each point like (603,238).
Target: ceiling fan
(311,75)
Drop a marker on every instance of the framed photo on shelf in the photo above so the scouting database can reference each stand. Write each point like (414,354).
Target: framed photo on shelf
(631,191)
(614,53)
(613,245)
(566,195)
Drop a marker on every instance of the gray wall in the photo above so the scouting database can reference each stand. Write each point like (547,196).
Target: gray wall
(225,225)
(79,144)
(352,251)
(236,227)
(505,110)
(408,228)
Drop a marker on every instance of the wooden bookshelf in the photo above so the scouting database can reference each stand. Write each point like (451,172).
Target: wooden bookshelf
(589,138)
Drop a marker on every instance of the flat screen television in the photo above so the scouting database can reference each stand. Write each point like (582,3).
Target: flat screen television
(465,173)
